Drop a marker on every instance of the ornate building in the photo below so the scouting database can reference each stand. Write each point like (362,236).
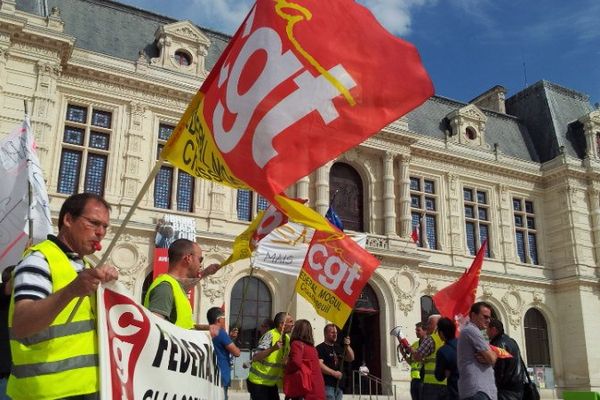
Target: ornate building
(106,83)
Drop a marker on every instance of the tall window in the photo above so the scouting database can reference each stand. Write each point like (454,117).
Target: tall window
(172,186)
(249,204)
(477,219)
(251,303)
(525,231)
(427,308)
(536,339)
(346,195)
(424,211)
(85,146)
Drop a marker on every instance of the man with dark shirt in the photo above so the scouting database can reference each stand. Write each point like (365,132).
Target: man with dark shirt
(508,372)
(445,361)
(330,356)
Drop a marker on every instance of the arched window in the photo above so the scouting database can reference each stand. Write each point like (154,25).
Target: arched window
(251,303)
(427,308)
(346,195)
(536,339)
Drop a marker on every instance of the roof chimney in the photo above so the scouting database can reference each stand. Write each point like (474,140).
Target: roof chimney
(492,99)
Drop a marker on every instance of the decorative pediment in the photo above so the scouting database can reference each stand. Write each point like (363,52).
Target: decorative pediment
(183,48)
(591,130)
(468,126)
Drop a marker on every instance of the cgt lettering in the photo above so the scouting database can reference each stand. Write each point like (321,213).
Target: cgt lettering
(312,93)
(332,270)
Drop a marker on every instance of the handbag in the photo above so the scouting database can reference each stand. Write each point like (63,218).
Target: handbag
(298,383)
(530,390)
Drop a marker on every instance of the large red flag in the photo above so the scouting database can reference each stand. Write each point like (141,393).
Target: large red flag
(457,299)
(299,83)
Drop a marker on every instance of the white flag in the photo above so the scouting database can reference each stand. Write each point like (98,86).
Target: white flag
(19,165)
(284,249)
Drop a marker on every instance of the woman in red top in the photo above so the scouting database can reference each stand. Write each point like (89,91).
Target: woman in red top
(303,351)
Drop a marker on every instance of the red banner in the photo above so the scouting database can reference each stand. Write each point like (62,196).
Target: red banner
(333,275)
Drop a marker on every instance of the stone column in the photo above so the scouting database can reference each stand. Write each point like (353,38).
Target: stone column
(389,196)
(133,155)
(4,44)
(594,193)
(42,113)
(322,188)
(302,188)
(405,218)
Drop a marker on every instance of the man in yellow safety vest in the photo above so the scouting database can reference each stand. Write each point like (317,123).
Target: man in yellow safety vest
(167,295)
(54,354)
(266,370)
(426,352)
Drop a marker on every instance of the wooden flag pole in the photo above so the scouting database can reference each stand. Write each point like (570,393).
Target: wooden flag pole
(121,229)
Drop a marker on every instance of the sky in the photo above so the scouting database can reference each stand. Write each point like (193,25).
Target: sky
(467,46)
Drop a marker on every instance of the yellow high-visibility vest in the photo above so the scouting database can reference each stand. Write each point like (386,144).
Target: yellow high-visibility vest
(269,371)
(61,360)
(415,366)
(429,363)
(182,304)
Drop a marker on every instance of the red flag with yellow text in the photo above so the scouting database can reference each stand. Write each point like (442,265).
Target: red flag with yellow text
(299,83)
(333,275)
(457,299)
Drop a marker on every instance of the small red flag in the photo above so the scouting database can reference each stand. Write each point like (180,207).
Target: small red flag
(458,298)
(415,234)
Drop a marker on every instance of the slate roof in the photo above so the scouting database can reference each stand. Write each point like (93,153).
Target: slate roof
(510,134)
(118,30)
(539,120)
(550,113)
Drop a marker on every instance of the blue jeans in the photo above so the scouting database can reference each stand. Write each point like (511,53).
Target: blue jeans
(333,393)
(3,383)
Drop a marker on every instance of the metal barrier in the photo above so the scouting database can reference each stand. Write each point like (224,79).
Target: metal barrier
(376,388)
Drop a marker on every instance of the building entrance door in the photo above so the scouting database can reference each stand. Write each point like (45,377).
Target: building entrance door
(364,331)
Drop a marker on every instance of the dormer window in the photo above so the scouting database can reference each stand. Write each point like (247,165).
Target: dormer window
(467,126)
(182,47)
(183,58)
(470,133)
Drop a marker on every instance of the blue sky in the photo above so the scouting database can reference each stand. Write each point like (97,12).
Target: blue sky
(467,46)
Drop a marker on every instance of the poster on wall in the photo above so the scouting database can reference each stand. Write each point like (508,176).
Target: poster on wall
(169,228)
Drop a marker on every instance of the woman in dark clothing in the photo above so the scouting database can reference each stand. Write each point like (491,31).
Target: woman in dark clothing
(445,360)
(303,351)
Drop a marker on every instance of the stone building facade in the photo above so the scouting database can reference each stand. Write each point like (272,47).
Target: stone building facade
(106,83)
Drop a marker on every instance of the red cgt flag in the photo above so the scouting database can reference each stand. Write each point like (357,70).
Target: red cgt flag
(334,272)
(458,298)
(299,83)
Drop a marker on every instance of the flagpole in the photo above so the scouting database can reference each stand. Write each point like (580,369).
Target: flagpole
(29,188)
(121,229)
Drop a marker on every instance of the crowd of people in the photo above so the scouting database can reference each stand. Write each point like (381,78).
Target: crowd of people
(53,352)
(448,366)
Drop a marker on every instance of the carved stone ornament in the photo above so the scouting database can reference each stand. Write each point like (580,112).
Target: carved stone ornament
(430,288)
(128,260)
(404,285)
(538,298)
(213,287)
(514,305)
(486,292)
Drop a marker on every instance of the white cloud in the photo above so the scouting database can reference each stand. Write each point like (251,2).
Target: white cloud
(395,15)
